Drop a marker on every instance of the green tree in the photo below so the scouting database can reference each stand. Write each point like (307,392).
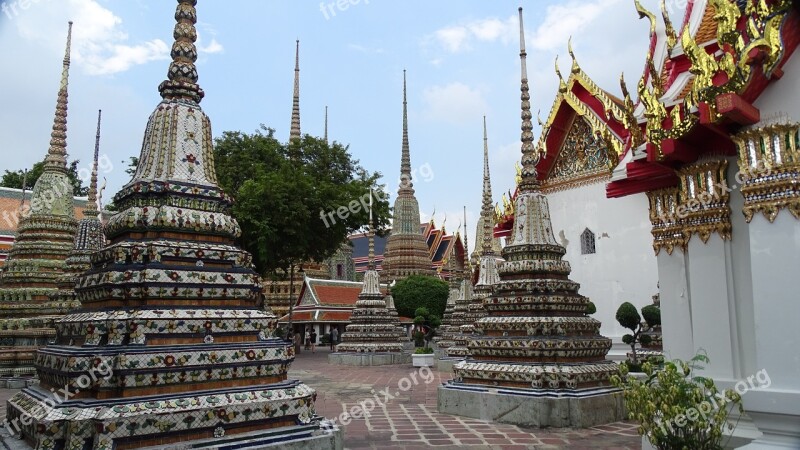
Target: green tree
(17,178)
(629,317)
(426,324)
(420,291)
(284,193)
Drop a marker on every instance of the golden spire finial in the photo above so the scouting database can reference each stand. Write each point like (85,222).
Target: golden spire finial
(575,67)
(672,36)
(643,12)
(562,87)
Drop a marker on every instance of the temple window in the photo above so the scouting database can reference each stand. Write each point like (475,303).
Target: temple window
(587,242)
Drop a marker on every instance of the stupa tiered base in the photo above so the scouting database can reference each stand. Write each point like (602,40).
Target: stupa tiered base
(533,408)
(369,358)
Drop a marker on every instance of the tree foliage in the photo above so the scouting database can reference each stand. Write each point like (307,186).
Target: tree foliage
(284,193)
(420,291)
(17,178)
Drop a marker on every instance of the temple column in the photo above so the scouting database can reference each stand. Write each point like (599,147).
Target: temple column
(772,208)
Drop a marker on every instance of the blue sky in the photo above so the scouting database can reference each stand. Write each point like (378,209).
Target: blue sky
(462,59)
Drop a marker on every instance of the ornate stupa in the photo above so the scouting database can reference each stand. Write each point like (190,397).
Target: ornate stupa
(170,345)
(373,336)
(406,251)
(487,268)
(463,318)
(89,238)
(537,359)
(36,261)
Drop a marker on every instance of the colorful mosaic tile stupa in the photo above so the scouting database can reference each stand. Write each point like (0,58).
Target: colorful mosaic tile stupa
(373,327)
(170,345)
(406,250)
(36,261)
(487,270)
(539,358)
(461,313)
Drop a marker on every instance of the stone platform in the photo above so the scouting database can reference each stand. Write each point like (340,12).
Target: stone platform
(369,359)
(533,408)
(446,364)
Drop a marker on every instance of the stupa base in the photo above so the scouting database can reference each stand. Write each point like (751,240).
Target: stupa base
(369,359)
(315,436)
(445,363)
(533,408)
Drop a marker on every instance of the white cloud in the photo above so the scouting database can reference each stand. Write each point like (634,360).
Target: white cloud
(364,49)
(454,103)
(100,44)
(565,20)
(458,38)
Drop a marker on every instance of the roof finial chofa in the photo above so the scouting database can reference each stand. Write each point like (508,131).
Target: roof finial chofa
(529,156)
(56,159)
(294,133)
(182,75)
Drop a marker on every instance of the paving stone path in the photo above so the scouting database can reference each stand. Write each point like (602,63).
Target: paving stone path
(408,419)
(404,414)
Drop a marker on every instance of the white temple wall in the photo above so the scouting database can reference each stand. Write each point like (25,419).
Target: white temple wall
(781,95)
(624,266)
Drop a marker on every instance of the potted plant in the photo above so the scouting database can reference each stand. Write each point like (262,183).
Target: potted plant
(629,317)
(675,408)
(422,357)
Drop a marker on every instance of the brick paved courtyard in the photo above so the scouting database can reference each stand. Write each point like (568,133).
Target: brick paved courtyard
(409,420)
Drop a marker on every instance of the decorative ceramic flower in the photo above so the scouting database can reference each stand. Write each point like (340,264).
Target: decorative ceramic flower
(169,360)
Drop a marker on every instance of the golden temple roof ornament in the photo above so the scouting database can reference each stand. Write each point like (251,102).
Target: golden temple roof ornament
(643,12)
(672,36)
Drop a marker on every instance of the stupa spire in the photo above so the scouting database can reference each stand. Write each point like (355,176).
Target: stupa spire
(486,204)
(181,82)
(467,269)
(371,235)
(57,153)
(326,124)
(529,158)
(405,160)
(91,204)
(294,132)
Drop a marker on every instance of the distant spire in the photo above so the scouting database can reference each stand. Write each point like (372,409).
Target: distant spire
(24,188)
(467,271)
(294,133)
(486,207)
(56,159)
(405,160)
(529,158)
(91,204)
(326,124)
(371,235)
(182,75)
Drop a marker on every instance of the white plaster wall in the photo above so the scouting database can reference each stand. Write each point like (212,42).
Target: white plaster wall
(624,266)
(781,95)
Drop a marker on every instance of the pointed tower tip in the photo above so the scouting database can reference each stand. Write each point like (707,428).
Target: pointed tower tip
(91,204)
(405,160)
(56,159)
(181,83)
(529,157)
(294,131)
